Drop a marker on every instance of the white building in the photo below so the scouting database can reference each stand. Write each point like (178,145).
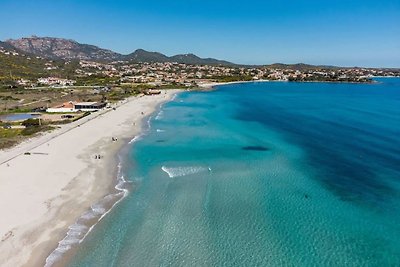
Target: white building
(69,107)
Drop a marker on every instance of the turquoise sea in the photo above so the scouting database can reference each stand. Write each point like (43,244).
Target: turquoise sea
(261,174)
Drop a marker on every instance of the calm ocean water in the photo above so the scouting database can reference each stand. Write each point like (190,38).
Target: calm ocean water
(261,174)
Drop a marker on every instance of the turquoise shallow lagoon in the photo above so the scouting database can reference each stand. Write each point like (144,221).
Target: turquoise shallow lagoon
(261,174)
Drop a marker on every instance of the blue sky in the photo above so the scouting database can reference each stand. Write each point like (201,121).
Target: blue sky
(336,32)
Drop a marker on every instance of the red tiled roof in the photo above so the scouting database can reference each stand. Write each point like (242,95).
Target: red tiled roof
(66,105)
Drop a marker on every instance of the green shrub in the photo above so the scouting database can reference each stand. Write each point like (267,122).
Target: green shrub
(30,123)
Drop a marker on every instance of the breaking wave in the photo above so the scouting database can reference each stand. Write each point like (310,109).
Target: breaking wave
(78,231)
(160,115)
(183,171)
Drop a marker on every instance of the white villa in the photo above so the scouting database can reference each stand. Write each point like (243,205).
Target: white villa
(76,107)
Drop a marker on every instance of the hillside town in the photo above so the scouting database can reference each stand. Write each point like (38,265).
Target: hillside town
(186,75)
(37,62)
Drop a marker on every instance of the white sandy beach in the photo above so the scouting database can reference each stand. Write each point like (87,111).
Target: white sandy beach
(43,193)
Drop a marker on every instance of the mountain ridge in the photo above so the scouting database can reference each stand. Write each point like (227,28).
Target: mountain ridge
(60,48)
(67,49)
(54,48)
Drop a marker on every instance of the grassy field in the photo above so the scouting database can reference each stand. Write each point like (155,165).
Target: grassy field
(9,137)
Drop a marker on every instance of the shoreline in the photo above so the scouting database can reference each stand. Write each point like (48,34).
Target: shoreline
(212,85)
(43,195)
(120,189)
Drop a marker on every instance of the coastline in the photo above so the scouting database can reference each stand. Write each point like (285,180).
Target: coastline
(212,85)
(42,195)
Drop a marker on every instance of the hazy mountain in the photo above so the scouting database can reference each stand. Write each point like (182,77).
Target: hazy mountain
(6,46)
(59,48)
(48,47)
(141,55)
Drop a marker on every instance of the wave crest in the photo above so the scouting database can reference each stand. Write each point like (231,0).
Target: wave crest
(78,231)
(183,171)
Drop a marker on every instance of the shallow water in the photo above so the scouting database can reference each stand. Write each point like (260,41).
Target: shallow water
(18,117)
(262,174)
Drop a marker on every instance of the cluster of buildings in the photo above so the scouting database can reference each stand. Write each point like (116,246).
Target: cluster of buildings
(318,74)
(54,81)
(159,74)
(89,68)
(8,52)
(187,75)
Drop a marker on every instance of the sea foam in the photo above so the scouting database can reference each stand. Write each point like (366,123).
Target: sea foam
(78,231)
(160,115)
(183,171)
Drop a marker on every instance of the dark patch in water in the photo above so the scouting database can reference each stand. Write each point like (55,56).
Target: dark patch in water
(255,148)
(161,141)
(349,154)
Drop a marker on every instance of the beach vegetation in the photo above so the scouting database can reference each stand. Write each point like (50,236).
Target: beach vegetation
(9,136)
(33,126)
(27,131)
(31,122)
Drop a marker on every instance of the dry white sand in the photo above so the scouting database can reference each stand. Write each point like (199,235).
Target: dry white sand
(43,193)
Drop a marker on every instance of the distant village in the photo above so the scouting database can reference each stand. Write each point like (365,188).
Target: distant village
(186,75)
